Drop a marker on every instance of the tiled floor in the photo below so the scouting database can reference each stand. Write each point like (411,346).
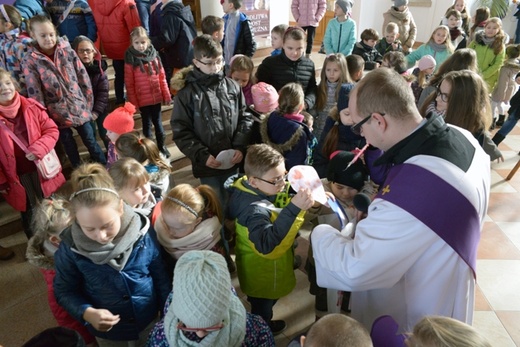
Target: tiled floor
(24,310)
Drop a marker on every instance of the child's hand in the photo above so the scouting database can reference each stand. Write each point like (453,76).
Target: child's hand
(30,156)
(303,199)
(237,157)
(212,162)
(101,319)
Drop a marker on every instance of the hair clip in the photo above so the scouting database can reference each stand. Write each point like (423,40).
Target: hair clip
(91,190)
(4,13)
(180,203)
(140,141)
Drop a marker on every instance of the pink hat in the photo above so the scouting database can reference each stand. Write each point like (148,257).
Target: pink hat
(121,120)
(427,62)
(265,97)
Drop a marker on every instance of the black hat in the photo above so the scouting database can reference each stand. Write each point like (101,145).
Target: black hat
(355,176)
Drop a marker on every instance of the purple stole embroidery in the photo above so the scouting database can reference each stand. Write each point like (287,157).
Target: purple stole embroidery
(438,205)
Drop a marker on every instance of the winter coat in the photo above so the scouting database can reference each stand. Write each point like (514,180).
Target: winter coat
(506,85)
(80,20)
(209,117)
(340,37)
(61,84)
(245,39)
(291,138)
(280,70)
(384,47)
(148,87)
(115,20)
(426,49)
(489,64)
(30,8)
(176,33)
(12,51)
(369,54)
(136,293)
(100,87)
(308,12)
(42,137)
(406,24)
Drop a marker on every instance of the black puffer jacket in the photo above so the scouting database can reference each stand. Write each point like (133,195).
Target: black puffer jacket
(177,31)
(208,117)
(369,54)
(280,70)
(245,40)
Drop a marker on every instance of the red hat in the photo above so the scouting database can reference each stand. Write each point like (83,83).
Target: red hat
(121,120)
(265,97)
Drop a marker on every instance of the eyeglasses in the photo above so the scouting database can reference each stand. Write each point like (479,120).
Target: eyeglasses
(211,63)
(215,327)
(356,128)
(88,51)
(277,181)
(444,97)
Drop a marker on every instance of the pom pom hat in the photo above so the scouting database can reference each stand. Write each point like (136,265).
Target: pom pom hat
(121,120)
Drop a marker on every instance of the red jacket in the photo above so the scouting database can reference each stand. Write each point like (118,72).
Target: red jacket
(43,134)
(115,19)
(145,89)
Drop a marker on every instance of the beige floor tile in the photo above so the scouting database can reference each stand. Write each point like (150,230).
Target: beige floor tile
(488,324)
(481,303)
(499,282)
(499,185)
(502,207)
(510,159)
(512,230)
(509,320)
(492,236)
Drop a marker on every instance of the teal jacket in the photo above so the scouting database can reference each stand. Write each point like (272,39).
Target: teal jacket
(426,49)
(340,37)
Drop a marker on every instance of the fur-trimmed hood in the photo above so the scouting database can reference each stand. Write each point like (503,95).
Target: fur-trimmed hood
(179,79)
(35,253)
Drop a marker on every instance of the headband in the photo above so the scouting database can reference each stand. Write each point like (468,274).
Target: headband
(91,190)
(6,17)
(178,202)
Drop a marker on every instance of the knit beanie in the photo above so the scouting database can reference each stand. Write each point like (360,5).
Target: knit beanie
(346,5)
(265,97)
(121,120)
(427,62)
(354,177)
(399,3)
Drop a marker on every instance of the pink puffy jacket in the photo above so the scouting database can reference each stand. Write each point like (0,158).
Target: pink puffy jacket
(308,12)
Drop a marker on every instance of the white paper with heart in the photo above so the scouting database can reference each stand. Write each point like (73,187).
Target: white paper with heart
(305,176)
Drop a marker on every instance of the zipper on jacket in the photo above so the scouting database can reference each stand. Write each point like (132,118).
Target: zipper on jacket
(340,31)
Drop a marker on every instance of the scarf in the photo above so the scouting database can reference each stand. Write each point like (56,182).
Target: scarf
(231,335)
(117,252)
(136,58)
(437,47)
(11,111)
(488,41)
(454,33)
(204,237)
(147,207)
(432,108)
(294,116)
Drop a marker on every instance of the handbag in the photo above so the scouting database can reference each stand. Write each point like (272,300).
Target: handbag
(48,167)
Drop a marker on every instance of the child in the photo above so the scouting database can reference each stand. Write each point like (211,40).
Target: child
(365,48)
(109,273)
(506,85)
(209,116)
(391,40)
(20,183)
(460,5)
(490,49)
(513,117)
(72,18)
(453,21)
(241,71)
(118,122)
(189,219)
(290,66)
(115,21)
(13,43)
(57,79)
(267,221)
(96,67)
(238,32)
(277,38)
(308,14)
(145,151)
(401,15)
(333,74)
(284,131)
(214,27)
(49,220)
(340,35)
(433,331)
(265,101)
(132,182)
(176,33)
(356,66)
(423,73)
(146,85)
(439,46)
(479,21)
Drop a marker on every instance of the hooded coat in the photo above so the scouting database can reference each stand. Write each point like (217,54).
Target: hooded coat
(405,22)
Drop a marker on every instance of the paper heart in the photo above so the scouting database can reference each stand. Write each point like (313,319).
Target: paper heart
(304,176)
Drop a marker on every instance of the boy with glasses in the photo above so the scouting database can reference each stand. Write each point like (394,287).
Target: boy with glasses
(267,221)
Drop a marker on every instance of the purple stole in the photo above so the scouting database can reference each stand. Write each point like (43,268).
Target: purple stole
(438,205)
